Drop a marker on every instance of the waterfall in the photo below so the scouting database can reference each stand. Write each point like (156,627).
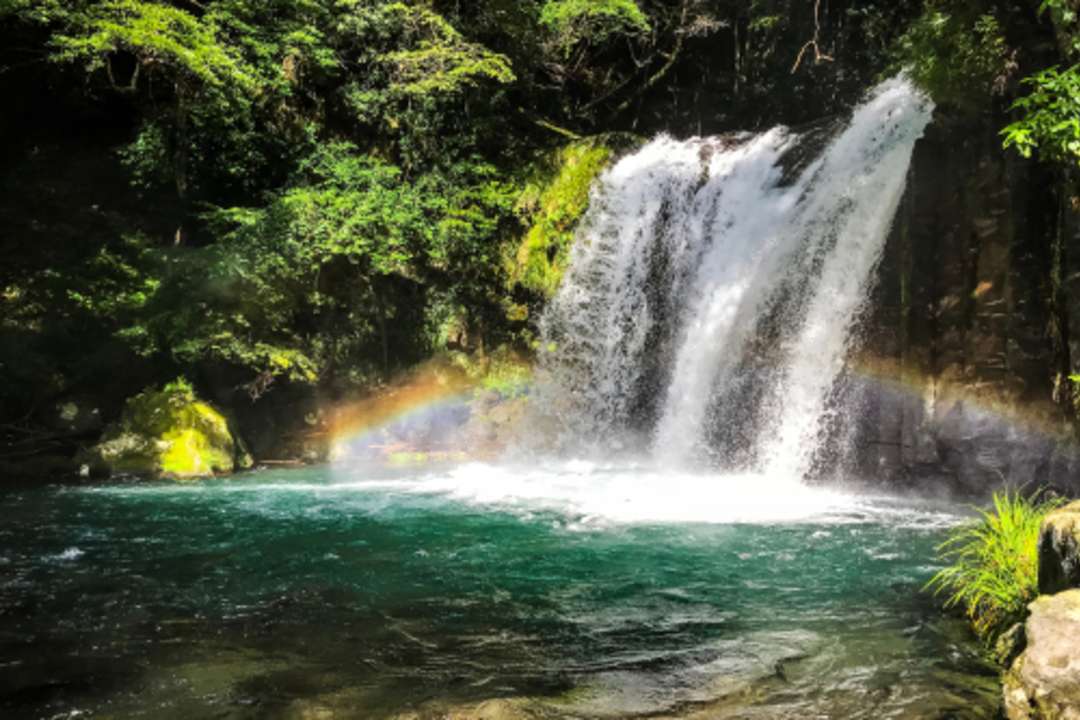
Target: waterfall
(712,296)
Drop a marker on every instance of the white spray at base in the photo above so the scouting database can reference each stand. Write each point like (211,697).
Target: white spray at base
(709,305)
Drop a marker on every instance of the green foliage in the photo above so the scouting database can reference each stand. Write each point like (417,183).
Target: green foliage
(1050,117)
(573,22)
(553,203)
(157,35)
(116,289)
(409,74)
(1066,18)
(1048,123)
(348,205)
(509,375)
(995,566)
(343,249)
(440,60)
(957,54)
(40,11)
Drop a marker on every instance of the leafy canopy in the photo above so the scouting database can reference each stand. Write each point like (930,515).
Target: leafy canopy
(573,22)
(158,35)
(957,54)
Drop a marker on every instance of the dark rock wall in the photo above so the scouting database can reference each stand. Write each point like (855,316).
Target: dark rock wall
(962,374)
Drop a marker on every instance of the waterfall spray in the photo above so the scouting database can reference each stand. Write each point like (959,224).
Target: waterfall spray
(710,302)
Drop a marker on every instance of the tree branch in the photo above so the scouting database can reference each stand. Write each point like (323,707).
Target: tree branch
(680,40)
(819,56)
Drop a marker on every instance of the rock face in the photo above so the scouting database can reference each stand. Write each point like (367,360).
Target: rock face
(1044,682)
(1059,552)
(961,383)
(166,432)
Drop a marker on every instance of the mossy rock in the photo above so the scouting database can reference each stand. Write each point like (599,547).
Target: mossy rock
(167,432)
(553,203)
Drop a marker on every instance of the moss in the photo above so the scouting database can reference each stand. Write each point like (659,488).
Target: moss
(168,432)
(503,370)
(553,203)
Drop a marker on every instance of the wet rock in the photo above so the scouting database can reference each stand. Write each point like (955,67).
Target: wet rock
(962,387)
(1009,645)
(1044,682)
(1059,551)
(494,425)
(167,432)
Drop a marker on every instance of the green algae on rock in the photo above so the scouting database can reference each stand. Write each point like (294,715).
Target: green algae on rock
(168,432)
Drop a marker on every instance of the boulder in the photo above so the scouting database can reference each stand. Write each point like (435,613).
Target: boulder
(1044,682)
(1059,551)
(167,432)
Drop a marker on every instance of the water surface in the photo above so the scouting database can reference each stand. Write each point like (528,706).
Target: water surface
(575,591)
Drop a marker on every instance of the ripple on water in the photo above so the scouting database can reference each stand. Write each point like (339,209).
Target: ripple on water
(584,592)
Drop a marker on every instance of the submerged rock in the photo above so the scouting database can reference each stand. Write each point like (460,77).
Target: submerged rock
(1059,551)
(1044,682)
(499,709)
(167,432)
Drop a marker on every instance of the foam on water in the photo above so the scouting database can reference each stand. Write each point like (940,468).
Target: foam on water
(575,494)
(593,494)
(69,555)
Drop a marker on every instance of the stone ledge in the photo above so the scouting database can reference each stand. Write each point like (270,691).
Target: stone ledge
(1044,682)
(1059,551)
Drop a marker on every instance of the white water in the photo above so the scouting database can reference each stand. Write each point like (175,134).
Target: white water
(607,282)
(573,495)
(717,303)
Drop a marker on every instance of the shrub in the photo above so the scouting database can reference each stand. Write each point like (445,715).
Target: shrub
(957,54)
(1049,117)
(994,569)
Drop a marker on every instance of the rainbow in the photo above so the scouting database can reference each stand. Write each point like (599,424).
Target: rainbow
(943,393)
(365,428)
(437,396)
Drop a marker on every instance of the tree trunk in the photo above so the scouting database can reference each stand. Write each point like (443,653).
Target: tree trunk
(180,159)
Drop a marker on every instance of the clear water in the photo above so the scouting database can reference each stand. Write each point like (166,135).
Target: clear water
(575,591)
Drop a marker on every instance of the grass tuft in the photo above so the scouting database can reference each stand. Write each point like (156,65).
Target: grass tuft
(994,570)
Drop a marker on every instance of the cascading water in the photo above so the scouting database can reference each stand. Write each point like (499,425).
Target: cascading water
(710,302)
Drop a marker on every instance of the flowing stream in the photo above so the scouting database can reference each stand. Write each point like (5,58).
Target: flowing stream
(696,347)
